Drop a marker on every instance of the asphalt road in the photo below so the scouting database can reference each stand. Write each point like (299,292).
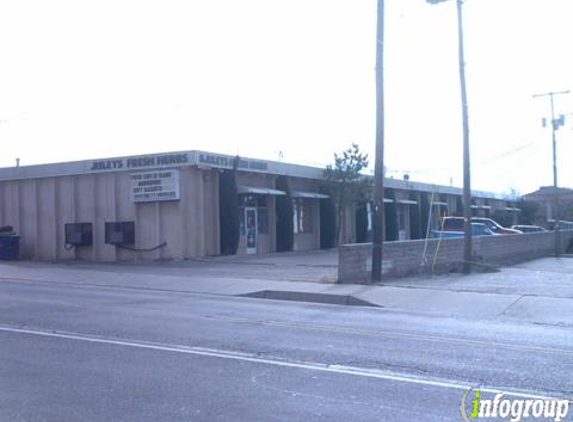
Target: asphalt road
(98,353)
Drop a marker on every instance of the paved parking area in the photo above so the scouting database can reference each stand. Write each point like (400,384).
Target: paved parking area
(539,291)
(546,277)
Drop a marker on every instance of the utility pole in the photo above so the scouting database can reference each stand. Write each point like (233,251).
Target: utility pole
(466,160)
(378,220)
(554,127)
(467,196)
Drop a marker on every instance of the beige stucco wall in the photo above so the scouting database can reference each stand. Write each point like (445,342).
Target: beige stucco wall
(311,240)
(39,208)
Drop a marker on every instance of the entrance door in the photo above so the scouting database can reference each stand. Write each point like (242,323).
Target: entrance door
(251,229)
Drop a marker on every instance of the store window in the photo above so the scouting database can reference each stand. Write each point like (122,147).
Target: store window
(302,215)
(402,235)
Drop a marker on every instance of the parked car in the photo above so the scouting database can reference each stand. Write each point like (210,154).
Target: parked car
(563,224)
(453,224)
(528,228)
(478,229)
(495,227)
(457,223)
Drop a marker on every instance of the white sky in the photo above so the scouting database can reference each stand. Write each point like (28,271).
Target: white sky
(83,80)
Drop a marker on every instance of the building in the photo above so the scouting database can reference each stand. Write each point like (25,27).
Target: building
(543,201)
(168,206)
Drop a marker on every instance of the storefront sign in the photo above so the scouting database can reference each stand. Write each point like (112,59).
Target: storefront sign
(174,160)
(160,185)
(161,160)
(224,161)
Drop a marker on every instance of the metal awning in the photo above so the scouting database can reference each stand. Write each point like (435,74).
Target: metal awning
(259,191)
(313,195)
(481,207)
(400,201)
(407,202)
(445,204)
(513,209)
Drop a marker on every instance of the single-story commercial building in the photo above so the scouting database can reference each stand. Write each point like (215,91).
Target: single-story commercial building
(542,200)
(170,206)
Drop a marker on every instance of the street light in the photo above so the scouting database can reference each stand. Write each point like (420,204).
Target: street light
(466,142)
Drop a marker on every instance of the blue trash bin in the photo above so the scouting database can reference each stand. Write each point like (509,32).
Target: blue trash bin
(9,247)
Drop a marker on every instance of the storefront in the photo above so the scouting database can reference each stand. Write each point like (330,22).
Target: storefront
(175,206)
(161,206)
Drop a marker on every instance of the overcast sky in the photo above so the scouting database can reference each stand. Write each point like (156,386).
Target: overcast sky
(82,80)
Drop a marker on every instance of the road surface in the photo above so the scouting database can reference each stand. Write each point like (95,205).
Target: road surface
(73,352)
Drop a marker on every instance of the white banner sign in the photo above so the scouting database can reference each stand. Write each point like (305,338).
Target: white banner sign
(160,185)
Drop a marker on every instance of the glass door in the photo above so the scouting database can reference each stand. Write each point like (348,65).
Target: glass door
(251,229)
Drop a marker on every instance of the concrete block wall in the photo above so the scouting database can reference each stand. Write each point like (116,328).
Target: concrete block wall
(411,257)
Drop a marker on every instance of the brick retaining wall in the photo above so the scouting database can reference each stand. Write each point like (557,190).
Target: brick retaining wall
(406,257)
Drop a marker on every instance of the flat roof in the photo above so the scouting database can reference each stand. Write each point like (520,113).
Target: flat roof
(205,160)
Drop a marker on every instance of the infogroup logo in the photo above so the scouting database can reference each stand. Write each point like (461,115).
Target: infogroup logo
(474,407)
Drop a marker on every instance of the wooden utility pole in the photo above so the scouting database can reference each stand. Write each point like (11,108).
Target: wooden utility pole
(378,208)
(554,128)
(466,136)
(467,193)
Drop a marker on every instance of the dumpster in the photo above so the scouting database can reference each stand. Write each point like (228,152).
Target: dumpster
(9,245)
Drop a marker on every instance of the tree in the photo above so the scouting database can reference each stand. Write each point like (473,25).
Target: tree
(529,213)
(504,218)
(346,184)
(512,194)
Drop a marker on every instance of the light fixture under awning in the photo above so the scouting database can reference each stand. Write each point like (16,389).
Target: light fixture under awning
(259,191)
(314,195)
(513,209)
(407,202)
(481,207)
(445,204)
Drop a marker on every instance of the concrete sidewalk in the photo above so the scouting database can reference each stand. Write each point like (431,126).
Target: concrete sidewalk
(311,266)
(538,292)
